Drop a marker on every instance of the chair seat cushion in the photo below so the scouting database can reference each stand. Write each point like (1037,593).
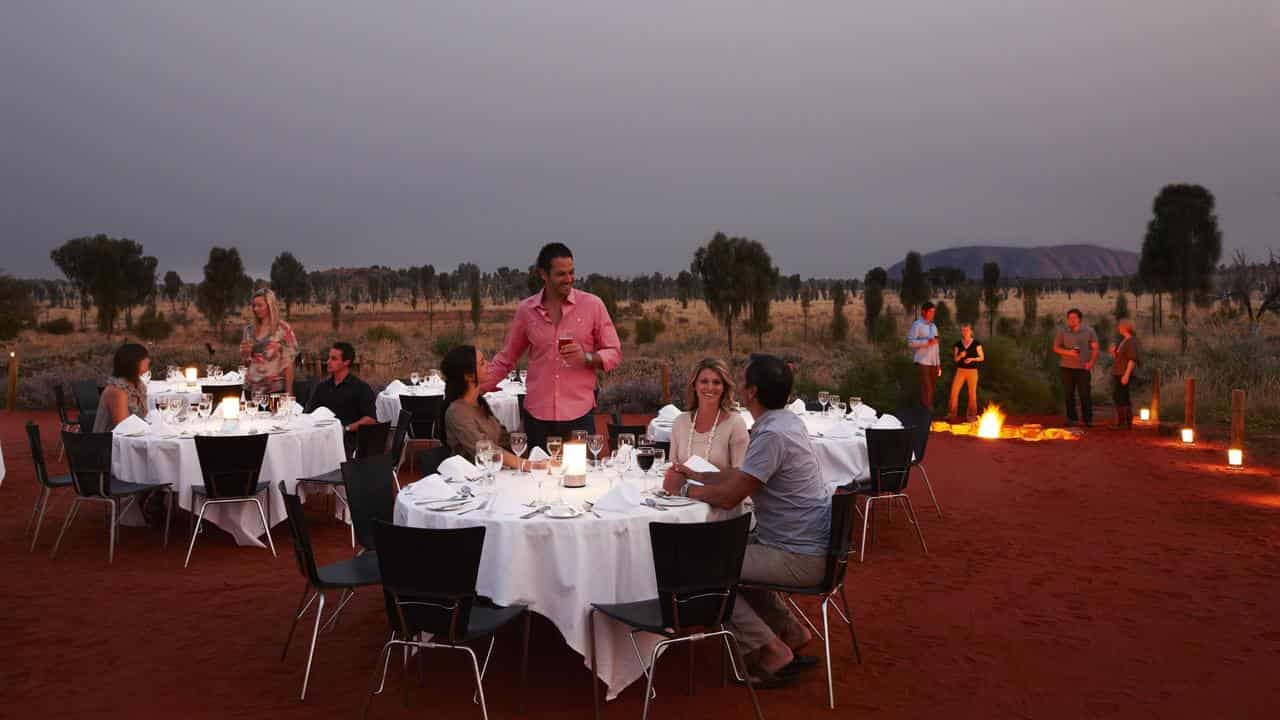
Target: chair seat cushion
(61,481)
(333,477)
(643,615)
(202,490)
(358,571)
(488,619)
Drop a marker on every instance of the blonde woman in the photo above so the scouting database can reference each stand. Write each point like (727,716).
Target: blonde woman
(268,347)
(711,429)
(1126,359)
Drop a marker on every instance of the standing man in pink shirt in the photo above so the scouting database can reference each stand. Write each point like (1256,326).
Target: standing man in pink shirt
(569,335)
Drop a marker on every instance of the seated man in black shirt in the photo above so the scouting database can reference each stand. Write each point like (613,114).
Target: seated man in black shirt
(350,398)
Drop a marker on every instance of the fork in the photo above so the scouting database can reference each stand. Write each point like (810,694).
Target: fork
(650,502)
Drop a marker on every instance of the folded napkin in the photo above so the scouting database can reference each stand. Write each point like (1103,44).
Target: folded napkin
(538,455)
(457,469)
(697,463)
(132,425)
(431,487)
(668,413)
(797,406)
(232,378)
(621,498)
(863,413)
(395,387)
(322,413)
(887,422)
(297,408)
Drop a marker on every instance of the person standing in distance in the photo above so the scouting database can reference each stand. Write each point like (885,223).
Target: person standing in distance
(1077,346)
(569,336)
(922,338)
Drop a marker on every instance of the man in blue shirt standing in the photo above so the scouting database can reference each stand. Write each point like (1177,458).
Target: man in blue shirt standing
(923,341)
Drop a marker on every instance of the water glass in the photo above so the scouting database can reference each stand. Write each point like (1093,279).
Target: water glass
(433,376)
(555,446)
(482,449)
(578,435)
(595,443)
(524,374)
(519,443)
(414,378)
(823,397)
(628,441)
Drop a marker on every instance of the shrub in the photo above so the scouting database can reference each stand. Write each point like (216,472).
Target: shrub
(631,396)
(624,333)
(152,326)
(943,317)
(647,330)
(382,333)
(1006,326)
(58,326)
(446,342)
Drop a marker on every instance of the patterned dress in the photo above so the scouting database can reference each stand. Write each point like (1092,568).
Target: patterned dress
(268,359)
(137,401)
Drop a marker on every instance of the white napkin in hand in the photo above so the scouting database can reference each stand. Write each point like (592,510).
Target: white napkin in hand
(668,413)
(132,425)
(887,422)
(395,387)
(697,463)
(538,455)
(797,406)
(322,413)
(621,498)
(457,469)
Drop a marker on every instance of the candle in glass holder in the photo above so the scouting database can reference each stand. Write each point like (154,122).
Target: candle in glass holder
(1144,414)
(1188,435)
(1235,457)
(190,374)
(230,408)
(575,464)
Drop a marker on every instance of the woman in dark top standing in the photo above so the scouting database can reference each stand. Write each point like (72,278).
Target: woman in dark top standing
(1126,360)
(968,356)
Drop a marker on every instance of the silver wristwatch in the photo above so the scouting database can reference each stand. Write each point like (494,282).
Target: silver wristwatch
(589,359)
(684,489)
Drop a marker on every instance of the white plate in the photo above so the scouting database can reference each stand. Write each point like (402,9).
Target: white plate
(674,502)
(563,513)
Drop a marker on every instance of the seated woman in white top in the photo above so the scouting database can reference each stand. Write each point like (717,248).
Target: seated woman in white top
(712,429)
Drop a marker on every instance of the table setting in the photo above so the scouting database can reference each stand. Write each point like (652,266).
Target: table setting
(187,384)
(504,402)
(559,548)
(162,449)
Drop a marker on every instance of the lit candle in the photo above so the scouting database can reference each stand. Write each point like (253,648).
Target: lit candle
(1235,457)
(191,376)
(575,464)
(230,408)
(1144,414)
(1188,435)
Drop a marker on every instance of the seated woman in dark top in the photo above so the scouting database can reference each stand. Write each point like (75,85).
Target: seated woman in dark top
(467,417)
(126,393)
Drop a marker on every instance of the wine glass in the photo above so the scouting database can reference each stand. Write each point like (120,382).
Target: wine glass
(841,408)
(555,446)
(855,402)
(563,339)
(644,459)
(482,450)
(242,371)
(524,374)
(205,407)
(519,443)
(414,379)
(823,397)
(595,443)
(628,441)
(433,376)
(578,435)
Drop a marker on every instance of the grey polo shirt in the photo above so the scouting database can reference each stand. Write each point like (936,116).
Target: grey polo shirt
(793,503)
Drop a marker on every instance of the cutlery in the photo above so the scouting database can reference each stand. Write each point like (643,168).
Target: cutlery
(483,504)
(591,508)
(537,511)
(447,508)
(654,504)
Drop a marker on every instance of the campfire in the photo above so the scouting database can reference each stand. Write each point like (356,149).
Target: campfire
(991,427)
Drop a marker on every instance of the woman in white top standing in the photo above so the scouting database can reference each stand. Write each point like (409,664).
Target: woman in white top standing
(711,429)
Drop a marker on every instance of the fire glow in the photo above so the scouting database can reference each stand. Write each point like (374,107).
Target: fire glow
(991,426)
(990,423)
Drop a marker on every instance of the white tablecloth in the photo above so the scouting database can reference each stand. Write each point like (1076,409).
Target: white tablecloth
(163,388)
(559,567)
(302,451)
(842,459)
(505,406)
(1,466)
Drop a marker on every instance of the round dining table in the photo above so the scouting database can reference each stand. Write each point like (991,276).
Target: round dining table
(504,402)
(558,567)
(297,447)
(157,389)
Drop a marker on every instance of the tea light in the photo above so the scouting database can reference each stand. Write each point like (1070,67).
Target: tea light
(1235,457)
(1144,414)
(190,374)
(575,464)
(1188,435)
(230,408)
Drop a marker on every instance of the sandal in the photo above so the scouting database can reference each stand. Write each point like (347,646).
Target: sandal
(765,680)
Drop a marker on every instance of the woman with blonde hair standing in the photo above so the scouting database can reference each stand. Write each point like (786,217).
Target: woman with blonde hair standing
(711,428)
(268,347)
(1126,360)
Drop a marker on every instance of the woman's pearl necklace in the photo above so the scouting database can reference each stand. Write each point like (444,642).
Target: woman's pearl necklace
(711,438)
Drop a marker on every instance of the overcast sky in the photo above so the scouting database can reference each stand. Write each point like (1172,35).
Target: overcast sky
(840,133)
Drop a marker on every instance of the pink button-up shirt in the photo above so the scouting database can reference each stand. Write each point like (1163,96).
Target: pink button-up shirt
(556,392)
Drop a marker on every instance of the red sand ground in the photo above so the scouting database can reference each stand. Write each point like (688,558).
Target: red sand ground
(1117,577)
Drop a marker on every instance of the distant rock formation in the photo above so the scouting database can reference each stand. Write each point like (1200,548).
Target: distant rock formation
(1052,262)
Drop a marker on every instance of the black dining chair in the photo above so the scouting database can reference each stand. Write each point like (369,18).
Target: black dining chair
(344,575)
(424,413)
(919,420)
(64,416)
(839,547)
(428,460)
(371,441)
(370,487)
(439,598)
(230,466)
(302,390)
(698,566)
(86,395)
(889,457)
(222,392)
(48,484)
(89,458)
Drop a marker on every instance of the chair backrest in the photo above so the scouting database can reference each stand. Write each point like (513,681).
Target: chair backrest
(302,391)
(60,397)
(425,413)
(889,457)
(840,543)
(221,392)
(615,430)
(812,406)
(371,494)
(399,437)
(37,453)
(434,596)
(698,566)
(300,531)
(89,458)
(429,459)
(919,420)
(231,464)
(371,439)
(85,393)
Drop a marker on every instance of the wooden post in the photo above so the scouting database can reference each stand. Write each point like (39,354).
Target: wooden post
(1189,417)
(1237,419)
(1155,397)
(11,400)
(666,383)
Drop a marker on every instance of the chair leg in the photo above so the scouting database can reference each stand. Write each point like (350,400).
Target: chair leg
(304,602)
(311,651)
(347,594)
(848,620)
(653,670)
(384,658)
(826,653)
(866,519)
(168,515)
(111,531)
(40,499)
(475,669)
(595,677)
(929,486)
(195,533)
(266,529)
(484,667)
(42,504)
(733,662)
(737,653)
(911,513)
(71,515)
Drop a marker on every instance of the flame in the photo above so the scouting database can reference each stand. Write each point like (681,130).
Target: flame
(990,423)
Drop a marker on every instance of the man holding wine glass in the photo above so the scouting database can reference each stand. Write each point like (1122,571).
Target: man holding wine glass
(569,336)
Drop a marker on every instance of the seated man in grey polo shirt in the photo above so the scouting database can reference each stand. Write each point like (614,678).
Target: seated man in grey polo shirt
(793,520)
